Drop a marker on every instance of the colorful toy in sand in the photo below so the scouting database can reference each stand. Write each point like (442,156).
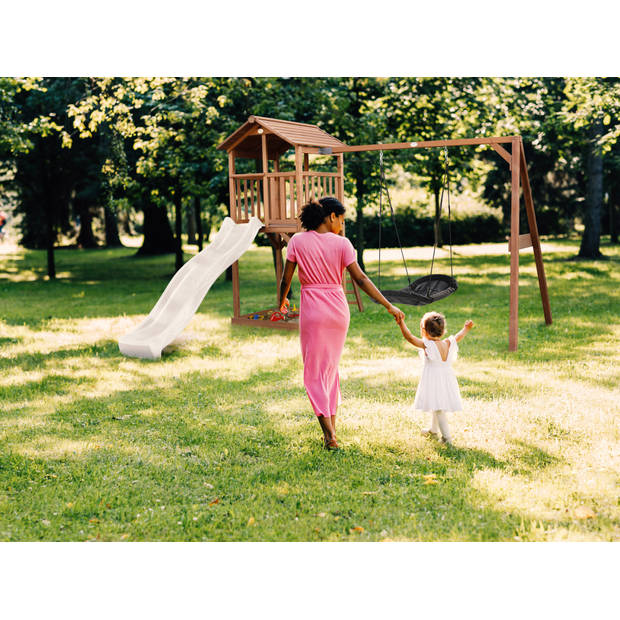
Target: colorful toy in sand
(276,315)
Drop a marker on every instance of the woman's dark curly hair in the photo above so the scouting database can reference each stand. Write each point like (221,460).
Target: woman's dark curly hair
(313,213)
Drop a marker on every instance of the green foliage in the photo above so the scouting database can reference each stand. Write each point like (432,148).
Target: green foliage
(149,140)
(416,230)
(47,174)
(589,100)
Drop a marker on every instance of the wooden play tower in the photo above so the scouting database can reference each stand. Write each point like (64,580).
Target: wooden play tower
(276,197)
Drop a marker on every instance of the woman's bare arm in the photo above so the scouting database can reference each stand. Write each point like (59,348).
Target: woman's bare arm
(366,284)
(285,284)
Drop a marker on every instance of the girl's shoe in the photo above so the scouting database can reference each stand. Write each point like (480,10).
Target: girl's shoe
(448,442)
(427,432)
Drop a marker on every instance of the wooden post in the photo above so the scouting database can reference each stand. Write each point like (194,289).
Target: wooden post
(513,326)
(274,188)
(277,244)
(236,295)
(266,196)
(305,193)
(233,214)
(231,185)
(340,184)
(531,220)
(281,199)
(300,160)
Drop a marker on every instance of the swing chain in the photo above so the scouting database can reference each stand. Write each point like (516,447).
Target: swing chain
(383,186)
(445,188)
(380,210)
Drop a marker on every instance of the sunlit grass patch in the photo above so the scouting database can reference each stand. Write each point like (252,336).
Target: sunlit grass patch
(217,440)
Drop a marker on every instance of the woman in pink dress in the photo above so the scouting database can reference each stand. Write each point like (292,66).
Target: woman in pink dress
(323,253)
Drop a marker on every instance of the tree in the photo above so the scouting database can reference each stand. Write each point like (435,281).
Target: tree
(590,104)
(44,170)
(433,109)
(531,108)
(354,113)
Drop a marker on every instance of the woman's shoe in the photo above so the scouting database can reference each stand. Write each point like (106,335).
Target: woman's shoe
(332,445)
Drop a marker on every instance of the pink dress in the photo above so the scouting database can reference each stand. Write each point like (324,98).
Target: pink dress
(323,313)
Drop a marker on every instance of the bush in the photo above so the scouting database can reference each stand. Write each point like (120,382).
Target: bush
(416,231)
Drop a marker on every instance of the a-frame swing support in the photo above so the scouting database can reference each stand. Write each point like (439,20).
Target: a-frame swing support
(519,180)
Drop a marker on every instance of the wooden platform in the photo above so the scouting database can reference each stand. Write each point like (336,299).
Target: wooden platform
(262,319)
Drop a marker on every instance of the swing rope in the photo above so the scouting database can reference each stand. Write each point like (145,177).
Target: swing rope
(428,288)
(445,187)
(382,187)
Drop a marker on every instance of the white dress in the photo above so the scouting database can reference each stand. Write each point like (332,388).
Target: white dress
(438,388)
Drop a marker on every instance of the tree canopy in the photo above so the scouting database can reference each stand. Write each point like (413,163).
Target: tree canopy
(78,153)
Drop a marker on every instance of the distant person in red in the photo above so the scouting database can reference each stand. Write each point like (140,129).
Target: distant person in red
(3,218)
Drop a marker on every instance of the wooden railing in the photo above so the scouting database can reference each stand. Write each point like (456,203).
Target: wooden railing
(319,184)
(248,199)
(274,197)
(282,197)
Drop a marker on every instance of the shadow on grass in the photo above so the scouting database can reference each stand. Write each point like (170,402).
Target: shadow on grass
(531,459)
(225,469)
(33,361)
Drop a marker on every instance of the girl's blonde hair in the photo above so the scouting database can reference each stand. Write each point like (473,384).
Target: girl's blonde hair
(434,324)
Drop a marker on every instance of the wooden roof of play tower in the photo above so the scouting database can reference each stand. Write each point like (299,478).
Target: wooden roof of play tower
(271,194)
(281,135)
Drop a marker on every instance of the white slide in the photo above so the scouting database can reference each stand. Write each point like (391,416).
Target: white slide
(181,298)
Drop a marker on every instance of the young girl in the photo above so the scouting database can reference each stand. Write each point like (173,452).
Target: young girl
(438,391)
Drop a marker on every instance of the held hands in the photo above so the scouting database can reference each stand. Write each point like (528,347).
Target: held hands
(397,313)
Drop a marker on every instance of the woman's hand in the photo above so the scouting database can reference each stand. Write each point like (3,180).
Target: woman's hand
(284,306)
(397,313)
(468,324)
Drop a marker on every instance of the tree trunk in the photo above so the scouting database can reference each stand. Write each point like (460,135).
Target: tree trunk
(590,242)
(50,204)
(125,225)
(158,237)
(51,238)
(112,240)
(198,220)
(614,199)
(359,214)
(191,227)
(437,223)
(178,220)
(85,238)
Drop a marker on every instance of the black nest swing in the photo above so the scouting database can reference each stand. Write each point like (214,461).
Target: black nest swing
(430,288)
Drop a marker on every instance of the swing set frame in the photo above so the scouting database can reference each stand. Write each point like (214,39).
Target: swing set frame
(519,180)
(277,197)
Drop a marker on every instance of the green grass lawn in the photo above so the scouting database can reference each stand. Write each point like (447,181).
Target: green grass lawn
(217,441)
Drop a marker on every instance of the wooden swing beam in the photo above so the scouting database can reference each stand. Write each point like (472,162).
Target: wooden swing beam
(519,180)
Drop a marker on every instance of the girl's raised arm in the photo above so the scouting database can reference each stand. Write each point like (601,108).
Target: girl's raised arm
(468,325)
